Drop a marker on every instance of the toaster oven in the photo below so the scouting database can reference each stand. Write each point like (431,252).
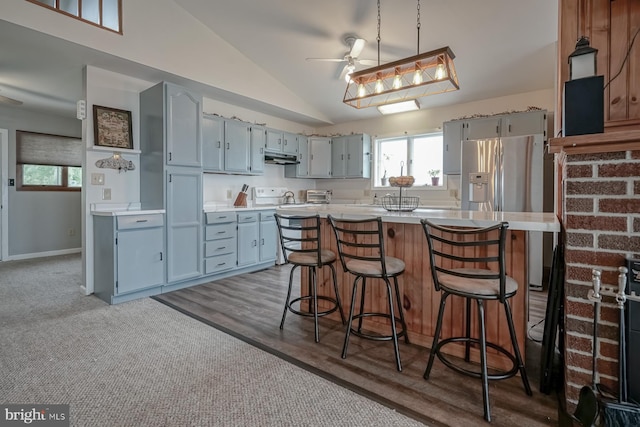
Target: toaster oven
(318,196)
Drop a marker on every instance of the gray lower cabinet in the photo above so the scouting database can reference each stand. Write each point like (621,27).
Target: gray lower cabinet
(248,237)
(220,242)
(268,236)
(184,224)
(128,256)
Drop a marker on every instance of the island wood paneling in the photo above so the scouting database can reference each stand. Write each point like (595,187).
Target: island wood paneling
(419,298)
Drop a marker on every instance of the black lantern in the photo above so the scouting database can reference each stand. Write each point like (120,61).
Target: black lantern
(582,62)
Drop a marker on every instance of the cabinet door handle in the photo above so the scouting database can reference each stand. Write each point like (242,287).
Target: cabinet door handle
(169,155)
(255,243)
(227,145)
(221,264)
(220,248)
(261,242)
(160,256)
(221,232)
(142,220)
(279,141)
(218,144)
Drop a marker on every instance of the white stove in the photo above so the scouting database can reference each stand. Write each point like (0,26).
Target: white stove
(268,196)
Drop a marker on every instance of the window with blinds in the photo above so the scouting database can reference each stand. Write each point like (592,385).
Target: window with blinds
(48,162)
(105,14)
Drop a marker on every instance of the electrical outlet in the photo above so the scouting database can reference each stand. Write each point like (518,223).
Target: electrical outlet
(72,232)
(367,193)
(97,179)
(229,195)
(106,194)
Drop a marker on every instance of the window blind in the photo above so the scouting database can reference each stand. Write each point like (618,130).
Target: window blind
(44,149)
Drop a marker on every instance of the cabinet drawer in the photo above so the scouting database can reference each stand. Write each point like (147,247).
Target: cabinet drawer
(267,216)
(248,217)
(220,231)
(140,221)
(220,247)
(219,263)
(219,217)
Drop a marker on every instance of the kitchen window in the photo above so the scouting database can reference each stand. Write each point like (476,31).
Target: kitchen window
(105,14)
(418,155)
(48,162)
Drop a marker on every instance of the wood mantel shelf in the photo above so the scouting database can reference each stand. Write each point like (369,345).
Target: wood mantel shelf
(596,143)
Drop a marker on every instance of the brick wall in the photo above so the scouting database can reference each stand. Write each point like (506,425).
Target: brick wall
(601,208)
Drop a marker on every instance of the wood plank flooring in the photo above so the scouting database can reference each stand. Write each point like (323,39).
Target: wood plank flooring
(249,306)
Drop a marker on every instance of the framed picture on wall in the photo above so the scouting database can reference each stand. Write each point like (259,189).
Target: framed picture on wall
(112,127)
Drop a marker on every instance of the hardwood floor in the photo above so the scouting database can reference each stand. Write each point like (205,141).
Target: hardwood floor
(250,307)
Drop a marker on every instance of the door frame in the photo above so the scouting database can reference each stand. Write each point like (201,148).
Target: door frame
(4,181)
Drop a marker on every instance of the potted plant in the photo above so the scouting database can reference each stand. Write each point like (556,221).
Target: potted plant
(383,179)
(435,176)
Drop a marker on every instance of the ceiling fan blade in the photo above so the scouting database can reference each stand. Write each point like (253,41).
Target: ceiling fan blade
(11,101)
(356,49)
(372,62)
(326,59)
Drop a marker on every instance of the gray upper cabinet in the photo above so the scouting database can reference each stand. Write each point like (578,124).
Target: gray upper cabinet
(301,170)
(452,135)
(257,143)
(516,124)
(350,156)
(319,157)
(526,123)
(282,142)
(212,143)
(183,126)
(236,145)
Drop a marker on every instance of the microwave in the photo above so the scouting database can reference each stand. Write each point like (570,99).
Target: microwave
(318,196)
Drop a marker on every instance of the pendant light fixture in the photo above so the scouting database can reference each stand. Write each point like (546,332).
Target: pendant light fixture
(408,79)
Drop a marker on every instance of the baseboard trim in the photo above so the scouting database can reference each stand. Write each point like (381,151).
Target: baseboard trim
(43,254)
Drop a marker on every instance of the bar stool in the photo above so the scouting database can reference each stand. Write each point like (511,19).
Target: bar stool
(301,243)
(361,250)
(470,263)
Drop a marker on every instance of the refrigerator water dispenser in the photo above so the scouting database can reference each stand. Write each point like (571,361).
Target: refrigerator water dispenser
(478,187)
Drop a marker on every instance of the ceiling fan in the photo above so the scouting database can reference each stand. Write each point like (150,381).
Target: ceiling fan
(351,58)
(10,101)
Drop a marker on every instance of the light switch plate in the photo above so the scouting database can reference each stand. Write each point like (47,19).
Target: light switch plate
(97,179)
(106,194)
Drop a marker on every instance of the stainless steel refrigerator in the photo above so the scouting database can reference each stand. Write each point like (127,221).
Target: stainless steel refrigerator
(506,174)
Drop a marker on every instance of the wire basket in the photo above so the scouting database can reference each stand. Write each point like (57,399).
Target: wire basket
(400,203)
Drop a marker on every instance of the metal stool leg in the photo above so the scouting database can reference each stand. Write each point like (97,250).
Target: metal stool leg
(364,290)
(286,303)
(436,336)
(516,349)
(467,345)
(335,288)
(483,361)
(401,310)
(394,332)
(353,303)
(314,284)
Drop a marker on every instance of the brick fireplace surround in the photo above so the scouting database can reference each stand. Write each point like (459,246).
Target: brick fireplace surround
(599,207)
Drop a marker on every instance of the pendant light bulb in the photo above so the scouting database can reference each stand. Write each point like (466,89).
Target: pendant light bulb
(397,82)
(440,72)
(361,90)
(379,86)
(417,77)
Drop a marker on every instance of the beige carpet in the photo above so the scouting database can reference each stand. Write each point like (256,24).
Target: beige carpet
(144,364)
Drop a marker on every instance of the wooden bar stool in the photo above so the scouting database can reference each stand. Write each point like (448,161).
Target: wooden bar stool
(302,247)
(361,250)
(470,263)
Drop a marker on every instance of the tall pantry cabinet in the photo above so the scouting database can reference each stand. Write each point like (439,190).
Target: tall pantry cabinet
(171,173)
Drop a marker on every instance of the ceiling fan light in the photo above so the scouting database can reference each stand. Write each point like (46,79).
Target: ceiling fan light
(399,107)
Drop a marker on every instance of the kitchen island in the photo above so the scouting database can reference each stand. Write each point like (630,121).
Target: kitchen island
(404,239)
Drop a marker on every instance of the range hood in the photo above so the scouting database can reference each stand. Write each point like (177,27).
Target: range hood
(280,158)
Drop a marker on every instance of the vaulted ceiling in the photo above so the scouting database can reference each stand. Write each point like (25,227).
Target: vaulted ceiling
(502,47)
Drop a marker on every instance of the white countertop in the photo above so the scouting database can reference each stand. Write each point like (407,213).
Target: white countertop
(527,221)
(121,209)
(217,207)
